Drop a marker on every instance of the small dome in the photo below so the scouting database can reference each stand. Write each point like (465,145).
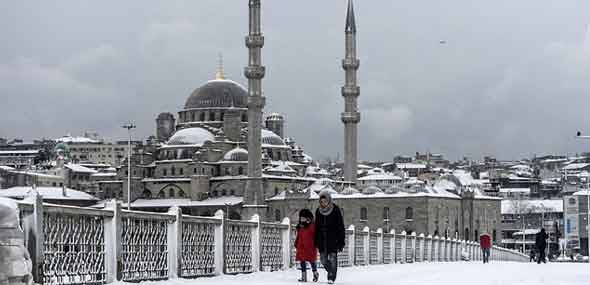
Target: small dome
(219,93)
(236,154)
(270,138)
(191,136)
(349,191)
(165,116)
(275,117)
(371,190)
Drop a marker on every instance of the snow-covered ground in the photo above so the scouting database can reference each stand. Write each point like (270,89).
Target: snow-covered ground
(421,273)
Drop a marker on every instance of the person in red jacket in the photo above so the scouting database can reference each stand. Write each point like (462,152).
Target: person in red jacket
(305,245)
(485,243)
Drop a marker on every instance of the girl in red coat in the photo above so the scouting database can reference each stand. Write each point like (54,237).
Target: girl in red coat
(304,244)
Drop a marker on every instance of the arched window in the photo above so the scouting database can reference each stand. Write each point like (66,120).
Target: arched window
(192,117)
(240,170)
(409,213)
(194,171)
(181,171)
(363,214)
(202,117)
(223,192)
(276,190)
(278,215)
(386,213)
(173,171)
(164,172)
(244,117)
(232,192)
(171,193)
(228,171)
(222,116)
(211,116)
(181,194)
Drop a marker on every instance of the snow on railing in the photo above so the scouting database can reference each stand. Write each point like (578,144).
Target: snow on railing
(74,245)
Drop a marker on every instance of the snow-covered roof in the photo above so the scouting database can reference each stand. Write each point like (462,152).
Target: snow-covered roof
(515,190)
(48,193)
(270,139)
(575,166)
(71,139)
(36,151)
(363,166)
(527,232)
(280,167)
(165,203)
(236,154)
(383,176)
(315,170)
(79,168)
(535,206)
(410,166)
(104,174)
(6,168)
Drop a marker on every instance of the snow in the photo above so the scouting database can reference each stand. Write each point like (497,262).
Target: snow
(379,177)
(79,168)
(452,273)
(575,166)
(515,190)
(19,152)
(70,139)
(191,136)
(410,166)
(549,206)
(217,201)
(48,193)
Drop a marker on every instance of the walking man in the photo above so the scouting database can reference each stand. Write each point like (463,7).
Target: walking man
(541,245)
(485,243)
(329,235)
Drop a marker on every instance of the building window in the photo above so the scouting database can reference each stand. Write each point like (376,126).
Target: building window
(192,117)
(240,170)
(173,171)
(194,171)
(386,213)
(223,192)
(181,171)
(276,190)
(171,193)
(214,193)
(164,172)
(202,117)
(232,192)
(278,215)
(228,171)
(244,118)
(409,213)
(363,214)
(211,116)
(181,194)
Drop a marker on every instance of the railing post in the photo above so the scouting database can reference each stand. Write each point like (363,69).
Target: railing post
(286,242)
(404,240)
(380,246)
(35,237)
(112,242)
(413,247)
(219,241)
(367,245)
(393,245)
(175,243)
(256,246)
(351,245)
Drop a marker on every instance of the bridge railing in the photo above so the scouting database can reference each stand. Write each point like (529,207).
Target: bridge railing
(74,245)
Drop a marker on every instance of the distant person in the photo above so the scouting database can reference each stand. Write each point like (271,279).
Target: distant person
(329,235)
(305,245)
(485,243)
(541,245)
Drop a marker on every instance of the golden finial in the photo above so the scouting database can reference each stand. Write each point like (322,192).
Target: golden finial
(219,74)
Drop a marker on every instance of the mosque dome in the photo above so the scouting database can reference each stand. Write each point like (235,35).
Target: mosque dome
(275,117)
(191,136)
(236,154)
(371,190)
(218,93)
(270,138)
(349,191)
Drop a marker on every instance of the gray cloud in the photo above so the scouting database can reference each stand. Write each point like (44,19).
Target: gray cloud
(511,80)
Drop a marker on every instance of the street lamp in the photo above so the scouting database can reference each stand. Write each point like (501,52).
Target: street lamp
(129,127)
(580,136)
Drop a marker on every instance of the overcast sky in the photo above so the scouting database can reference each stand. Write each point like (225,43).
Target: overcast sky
(512,79)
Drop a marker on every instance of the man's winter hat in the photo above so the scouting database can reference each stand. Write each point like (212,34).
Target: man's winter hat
(305,213)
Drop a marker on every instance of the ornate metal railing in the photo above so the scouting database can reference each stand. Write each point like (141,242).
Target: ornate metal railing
(73,245)
(198,247)
(238,247)
(144,240)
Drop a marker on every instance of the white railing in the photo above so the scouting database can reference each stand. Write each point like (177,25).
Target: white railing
(74,245)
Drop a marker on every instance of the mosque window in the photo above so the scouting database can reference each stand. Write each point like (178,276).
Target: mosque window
(212,172)
(192,117)
(409,213)
(181,171)
(181,194)
(276,191)
(386,213)
(228,171)
(161,194)
(173,171)
(146,194)
(363,214)
(240,170)
(164,172)
(244,118)
(232,192)
(278,215)
(223,192)
(194,171)
(222,116)
(202,117)
(214,193)
(211,116)
(171,193)
(279,155)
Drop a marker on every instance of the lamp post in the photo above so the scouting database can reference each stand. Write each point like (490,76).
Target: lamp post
(129,127)
(580,136)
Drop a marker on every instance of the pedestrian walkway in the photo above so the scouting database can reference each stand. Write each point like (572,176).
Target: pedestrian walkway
(461,273)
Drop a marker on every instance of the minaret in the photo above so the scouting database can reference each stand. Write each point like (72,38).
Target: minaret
(254,192)
(350,91)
